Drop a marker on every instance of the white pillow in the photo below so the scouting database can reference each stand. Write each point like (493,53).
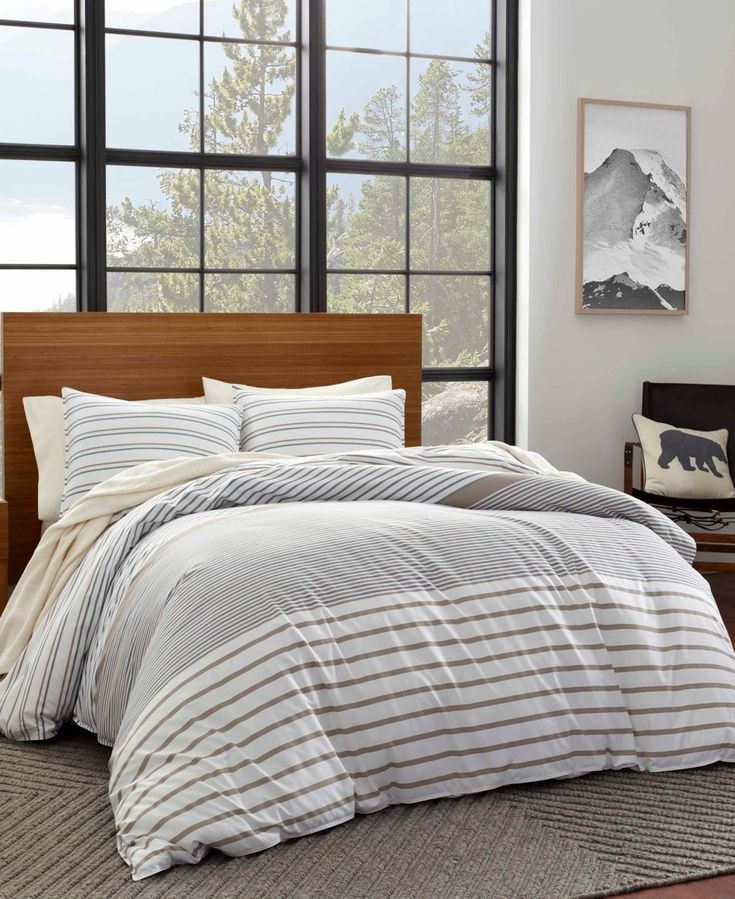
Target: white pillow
(45,417)
(679,462)
(308,425)
(104,436)
(224,391)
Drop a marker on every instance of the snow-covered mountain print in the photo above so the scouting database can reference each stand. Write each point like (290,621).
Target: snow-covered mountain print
(635,233)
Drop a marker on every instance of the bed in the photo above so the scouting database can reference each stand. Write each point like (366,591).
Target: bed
(273,645)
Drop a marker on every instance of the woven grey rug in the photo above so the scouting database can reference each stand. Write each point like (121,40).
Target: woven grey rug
(593,836)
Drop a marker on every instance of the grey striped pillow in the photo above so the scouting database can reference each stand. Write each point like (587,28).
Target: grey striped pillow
(104,436)
(307,425)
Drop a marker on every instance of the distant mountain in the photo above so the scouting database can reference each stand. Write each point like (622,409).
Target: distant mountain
(652,163)
(635,232)
(622,292)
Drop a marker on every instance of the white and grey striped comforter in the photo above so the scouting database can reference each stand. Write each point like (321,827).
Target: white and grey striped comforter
(276,647)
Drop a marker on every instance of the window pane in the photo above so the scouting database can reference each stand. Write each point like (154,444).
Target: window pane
(272,21)
(249,219)
(454,412)
(378,25)
(61,11)
(152,292)
(456,312)
(450,224)
(38,291)
(250,99)
(451,27)
(152,217)
(366,293)
(162,15)
(152,93)
(366,222)
(37,212)
(37,78)
(366,106)
(249,293)
(450,112)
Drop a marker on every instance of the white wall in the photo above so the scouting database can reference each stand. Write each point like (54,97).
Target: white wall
(580,376)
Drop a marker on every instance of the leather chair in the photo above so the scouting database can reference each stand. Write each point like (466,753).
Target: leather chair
(700,407)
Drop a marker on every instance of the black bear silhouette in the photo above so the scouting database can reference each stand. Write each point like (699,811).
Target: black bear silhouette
(682,446)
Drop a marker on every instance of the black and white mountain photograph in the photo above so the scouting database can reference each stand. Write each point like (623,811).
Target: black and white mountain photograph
(633,183)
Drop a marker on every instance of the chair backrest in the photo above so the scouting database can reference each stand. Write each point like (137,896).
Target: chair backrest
(701,407)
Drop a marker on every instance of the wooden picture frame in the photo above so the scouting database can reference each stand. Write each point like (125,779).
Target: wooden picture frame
(655,255)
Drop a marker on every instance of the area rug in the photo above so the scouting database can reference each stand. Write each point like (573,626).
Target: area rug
(593,836)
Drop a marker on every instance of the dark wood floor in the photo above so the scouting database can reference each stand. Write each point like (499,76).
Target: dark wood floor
(723,587)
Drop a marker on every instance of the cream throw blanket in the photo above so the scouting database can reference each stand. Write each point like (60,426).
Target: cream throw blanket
(63,545)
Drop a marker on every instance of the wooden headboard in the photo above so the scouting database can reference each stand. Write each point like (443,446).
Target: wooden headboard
(151,355)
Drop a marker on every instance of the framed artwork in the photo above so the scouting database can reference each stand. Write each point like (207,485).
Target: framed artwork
(633,172)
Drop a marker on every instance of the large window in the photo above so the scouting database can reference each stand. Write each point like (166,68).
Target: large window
(271,155)
(39,156)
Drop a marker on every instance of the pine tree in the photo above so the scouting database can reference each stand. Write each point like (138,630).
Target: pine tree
(249,219)
(250,216)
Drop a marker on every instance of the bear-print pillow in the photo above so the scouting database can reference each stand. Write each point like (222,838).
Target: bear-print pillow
(679,462)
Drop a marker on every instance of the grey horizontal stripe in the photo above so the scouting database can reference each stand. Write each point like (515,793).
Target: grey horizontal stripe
(105,436)
(301,425)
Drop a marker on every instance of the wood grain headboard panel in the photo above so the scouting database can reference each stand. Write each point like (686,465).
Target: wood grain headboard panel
(151,355)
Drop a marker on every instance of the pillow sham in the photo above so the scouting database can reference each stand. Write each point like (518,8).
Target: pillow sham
(45,417)
(680,462)
(224,391)
(309,425)
(104,436)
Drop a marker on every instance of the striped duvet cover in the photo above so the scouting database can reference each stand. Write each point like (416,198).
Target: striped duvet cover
(279,646)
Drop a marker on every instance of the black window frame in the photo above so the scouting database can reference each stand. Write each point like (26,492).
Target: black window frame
(310,166)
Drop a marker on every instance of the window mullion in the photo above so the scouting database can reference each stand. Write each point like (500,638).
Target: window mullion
(313,141)
(91,104)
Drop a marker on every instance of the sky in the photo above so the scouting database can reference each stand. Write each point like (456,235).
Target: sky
(634,128)
(37,200)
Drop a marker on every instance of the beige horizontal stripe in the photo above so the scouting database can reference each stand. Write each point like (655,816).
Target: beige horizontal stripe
(498,769)
(684,666)
(453,776)
(687,750)
(299,740)
(349,615)
(354,753)
(456,775)
(311,688)
(233,791)
(371,632)
(297,820)
(519,719)
(672,709)
(665,731)
(549,588)
(676,688)
(674,647)
(424,735)
(278,800)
